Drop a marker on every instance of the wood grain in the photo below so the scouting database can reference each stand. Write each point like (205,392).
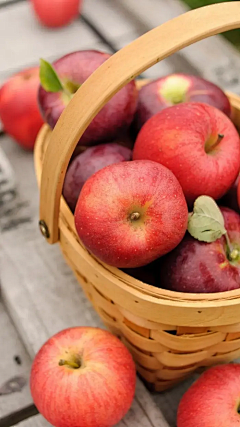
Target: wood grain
(15,362)
(24,40)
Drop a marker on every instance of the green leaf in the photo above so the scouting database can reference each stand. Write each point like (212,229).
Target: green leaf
(206,222)
(49,78)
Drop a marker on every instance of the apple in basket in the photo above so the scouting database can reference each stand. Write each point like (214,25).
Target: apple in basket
(59,83)
(87,163)
(213,400)
(174,89)
(210,260)
(230,199)
(19,112)
(198,143)
(83,377)
(56,13)
(130,213)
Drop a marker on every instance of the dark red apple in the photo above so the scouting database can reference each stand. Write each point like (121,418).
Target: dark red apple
(148,273)
(213,400)
(87,163)
(198,143)
(83,377)
(238,193)
(73,69)
(174,89)
(200,267)
(130,213)
(230,199)
(56,13)
(19,112)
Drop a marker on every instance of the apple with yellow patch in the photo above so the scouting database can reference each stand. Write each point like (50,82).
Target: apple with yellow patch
(177,88)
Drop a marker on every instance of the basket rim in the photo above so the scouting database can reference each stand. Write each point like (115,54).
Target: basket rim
(119,277)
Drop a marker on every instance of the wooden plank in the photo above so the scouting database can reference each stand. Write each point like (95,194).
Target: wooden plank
(121,27)
(169,400)
(38,288)
(215,58)
(15,365)
(24,40)
(36,421)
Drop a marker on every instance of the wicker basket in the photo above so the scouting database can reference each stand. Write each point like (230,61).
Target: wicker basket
(170,334)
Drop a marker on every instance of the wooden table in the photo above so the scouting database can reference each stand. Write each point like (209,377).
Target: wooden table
(39,295)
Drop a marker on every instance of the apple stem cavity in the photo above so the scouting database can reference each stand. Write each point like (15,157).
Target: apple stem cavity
(233,254)
(134,216)
(210,144)
(69,363)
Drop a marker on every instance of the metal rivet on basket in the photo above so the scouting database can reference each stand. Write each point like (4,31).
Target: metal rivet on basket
(44,229)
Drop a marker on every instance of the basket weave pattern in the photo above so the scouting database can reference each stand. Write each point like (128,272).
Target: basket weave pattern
(164,355)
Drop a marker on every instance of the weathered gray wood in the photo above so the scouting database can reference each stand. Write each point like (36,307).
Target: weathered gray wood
(215,58)
(37,421)
(24,40)
(119,26)
(39,289)
(12,348)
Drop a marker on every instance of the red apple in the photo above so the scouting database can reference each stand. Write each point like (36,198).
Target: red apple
(198,143)
(73,69)
(83,377)
(238,193)
(200,267)
(174,89)
(230,199)
(130,213)
(19,112)
(89,162)
(56,13)
(213,400)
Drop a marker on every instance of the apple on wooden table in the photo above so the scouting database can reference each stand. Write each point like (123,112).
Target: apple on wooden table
(60,81)
(177,88)
(83,377)
(56,13)
(19,112)
(213,400)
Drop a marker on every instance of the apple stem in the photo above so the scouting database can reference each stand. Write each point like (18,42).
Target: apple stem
(219,139)
(233,253)
(74,365)
(134,216)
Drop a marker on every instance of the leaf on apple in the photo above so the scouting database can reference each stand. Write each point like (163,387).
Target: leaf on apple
(206,222)
(49,78)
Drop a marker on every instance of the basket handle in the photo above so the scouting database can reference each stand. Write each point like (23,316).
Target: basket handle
(108,79)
